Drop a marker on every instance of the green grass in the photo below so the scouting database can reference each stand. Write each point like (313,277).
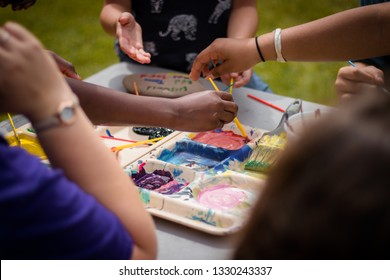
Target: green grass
(72,29)
(307,80)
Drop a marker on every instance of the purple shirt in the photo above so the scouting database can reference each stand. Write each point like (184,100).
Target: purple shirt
(43,215)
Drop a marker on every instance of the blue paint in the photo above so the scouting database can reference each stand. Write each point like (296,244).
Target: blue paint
(145,195)
(157,81)
(207,219)
(108,133)
(177,172)
(201,156)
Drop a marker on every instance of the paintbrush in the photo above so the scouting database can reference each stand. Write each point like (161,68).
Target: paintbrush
(118,139)
(118,148)
(136,88)
(14,129)
(230,87)
(354,65)
(236,121)
(268,147)
(266,103)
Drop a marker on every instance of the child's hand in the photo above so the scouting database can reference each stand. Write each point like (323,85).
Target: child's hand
(129,34)
(232,55)
(240,79)
(352,80)
(30,83)
(65,66)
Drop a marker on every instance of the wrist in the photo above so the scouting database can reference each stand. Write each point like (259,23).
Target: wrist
(63,114)
(266,43)
(278,45)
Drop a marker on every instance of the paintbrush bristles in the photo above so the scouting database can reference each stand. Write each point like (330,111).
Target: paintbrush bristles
(266,153)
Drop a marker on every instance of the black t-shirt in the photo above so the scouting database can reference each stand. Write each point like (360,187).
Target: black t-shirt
(175,31)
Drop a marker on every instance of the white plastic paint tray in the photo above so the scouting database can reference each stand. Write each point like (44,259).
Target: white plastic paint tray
(184,206)
(221,182)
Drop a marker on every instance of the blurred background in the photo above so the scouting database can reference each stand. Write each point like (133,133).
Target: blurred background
(72,29)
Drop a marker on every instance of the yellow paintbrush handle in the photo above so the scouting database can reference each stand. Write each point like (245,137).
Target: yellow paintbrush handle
(115,149)
(13,128)
(240,127)
(236,121)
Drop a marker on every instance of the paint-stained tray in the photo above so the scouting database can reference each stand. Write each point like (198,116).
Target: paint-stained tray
(212,192)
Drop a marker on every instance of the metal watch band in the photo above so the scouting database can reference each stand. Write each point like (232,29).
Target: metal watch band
(57,118)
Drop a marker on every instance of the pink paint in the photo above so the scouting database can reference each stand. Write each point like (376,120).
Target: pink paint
(223,139)
(221,197)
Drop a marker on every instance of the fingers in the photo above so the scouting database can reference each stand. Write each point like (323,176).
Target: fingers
(70,72)
(126,18)
(243,78)
(230,108)
(221,69)
(363,74)
(65,66)
(4,37)
(354,80)
(142,56)
(202,61)
(197,69)
(20,33)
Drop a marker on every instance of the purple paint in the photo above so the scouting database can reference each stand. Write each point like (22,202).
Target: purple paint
(160,181)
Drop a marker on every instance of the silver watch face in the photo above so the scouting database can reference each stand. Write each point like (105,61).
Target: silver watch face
(67,114)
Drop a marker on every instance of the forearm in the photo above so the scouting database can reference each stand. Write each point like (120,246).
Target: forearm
(71,145)
(85,160)
(243,21)
(111,107)
(353,34)
(110,13)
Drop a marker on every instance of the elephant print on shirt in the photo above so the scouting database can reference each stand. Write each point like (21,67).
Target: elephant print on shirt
(190,57)
(181,23)
(222,6)
(150,47)
(156,6)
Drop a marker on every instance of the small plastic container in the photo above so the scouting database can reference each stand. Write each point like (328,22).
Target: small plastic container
(297,123)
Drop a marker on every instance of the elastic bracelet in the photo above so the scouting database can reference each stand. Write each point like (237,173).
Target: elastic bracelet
(278,45)
(259,50)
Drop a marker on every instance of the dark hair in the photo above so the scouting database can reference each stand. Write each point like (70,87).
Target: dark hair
(329,195)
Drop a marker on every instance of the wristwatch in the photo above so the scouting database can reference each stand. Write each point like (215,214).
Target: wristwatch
(65,115)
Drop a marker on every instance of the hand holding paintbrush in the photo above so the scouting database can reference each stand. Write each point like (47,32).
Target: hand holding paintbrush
(360,77)
(236,121)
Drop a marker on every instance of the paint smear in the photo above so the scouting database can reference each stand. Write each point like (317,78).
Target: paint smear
(223,139)
(160,181)
(221,197)
(192,160)
(30,144)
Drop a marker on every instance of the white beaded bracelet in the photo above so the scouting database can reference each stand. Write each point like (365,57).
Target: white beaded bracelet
(278,45)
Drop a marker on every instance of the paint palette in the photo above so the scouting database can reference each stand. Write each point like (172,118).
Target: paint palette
(206,187)
(188,179)
(28,141)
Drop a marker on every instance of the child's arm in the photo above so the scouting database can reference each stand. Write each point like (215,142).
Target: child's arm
(243,23)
